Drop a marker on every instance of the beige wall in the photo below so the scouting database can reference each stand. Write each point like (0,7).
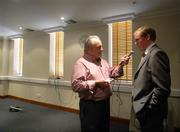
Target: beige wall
(36,63)
(73,49)
(36,55)
(4,56)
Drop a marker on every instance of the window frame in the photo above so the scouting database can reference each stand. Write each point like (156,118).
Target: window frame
(109,21)
(18,44)
(56,55)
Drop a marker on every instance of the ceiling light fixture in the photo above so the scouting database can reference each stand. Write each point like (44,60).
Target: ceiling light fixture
(62,18)
(20,27)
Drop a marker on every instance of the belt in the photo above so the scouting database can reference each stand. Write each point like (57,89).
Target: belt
(98,101)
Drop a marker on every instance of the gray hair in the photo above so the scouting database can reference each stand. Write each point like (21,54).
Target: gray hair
(88,41)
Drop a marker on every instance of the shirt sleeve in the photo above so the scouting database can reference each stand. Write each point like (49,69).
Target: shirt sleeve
(79,80)
(116,71)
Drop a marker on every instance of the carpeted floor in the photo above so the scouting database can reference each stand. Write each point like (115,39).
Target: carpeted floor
(35,118)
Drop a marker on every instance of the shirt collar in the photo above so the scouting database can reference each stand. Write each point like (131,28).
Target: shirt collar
(91,58)
(148,48)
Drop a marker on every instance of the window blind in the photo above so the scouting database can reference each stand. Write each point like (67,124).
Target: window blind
(56,54)
(121,45)
(18,56)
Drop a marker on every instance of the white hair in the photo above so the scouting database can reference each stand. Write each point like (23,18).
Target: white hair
(88,41)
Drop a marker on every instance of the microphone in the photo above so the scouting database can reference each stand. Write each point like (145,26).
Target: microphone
(131,53)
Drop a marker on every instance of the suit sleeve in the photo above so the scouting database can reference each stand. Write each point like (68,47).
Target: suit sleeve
(160,72)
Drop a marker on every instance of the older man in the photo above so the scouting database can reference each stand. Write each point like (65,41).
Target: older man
(91,79)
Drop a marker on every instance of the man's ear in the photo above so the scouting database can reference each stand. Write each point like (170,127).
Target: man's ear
(148,37)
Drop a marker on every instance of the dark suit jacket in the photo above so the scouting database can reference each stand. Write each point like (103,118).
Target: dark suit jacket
(152,83)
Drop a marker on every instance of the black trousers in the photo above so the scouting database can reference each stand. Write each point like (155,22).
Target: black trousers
(95,115)
(150,122)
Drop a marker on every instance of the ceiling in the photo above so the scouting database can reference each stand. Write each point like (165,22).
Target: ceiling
(42,14)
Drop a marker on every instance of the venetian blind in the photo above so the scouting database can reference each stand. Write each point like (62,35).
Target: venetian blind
(121,45)
(56,54)
(18,56)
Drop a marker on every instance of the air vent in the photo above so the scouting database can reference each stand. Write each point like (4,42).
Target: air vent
(71,21)
(29,30)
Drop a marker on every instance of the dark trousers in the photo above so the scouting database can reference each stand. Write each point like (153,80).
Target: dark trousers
(95,115)
(150,122)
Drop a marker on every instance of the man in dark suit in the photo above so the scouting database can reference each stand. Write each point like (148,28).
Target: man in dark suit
(151,82)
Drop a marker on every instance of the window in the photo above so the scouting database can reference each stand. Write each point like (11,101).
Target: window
(121,45)
(120,41)
(18,56)
(56,54)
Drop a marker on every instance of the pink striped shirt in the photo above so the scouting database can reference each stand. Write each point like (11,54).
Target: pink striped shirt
(86,72)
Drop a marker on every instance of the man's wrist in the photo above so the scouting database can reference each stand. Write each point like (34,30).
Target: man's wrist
(96,84)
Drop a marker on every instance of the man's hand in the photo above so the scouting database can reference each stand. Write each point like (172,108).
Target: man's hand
(124,60)
(102,84)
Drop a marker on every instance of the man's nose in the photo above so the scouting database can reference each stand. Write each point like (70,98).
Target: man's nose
(102,48)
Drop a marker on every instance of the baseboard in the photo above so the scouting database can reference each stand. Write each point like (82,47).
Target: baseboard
(45,104)
(4,96)
(114,119)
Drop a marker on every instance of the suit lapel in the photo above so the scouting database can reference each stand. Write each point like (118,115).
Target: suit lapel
(141,64)
(144,60)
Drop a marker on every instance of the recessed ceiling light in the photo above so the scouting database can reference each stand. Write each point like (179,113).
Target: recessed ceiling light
(20,27)
(62,18)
